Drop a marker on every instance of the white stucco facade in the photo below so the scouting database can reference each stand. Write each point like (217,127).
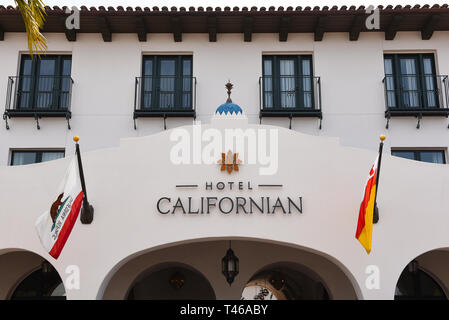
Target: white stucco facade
(103,92)
(128,170)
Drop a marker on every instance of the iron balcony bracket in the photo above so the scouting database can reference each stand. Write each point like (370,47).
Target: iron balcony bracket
(165,122)
(135,125)
(5,117)
(418,125)
(37,121)
(321,122)
(290,125)
(68,122)
(388,122)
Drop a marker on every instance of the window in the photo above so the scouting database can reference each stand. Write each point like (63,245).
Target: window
(21,157)
(44,82)
(166,82)
(432,156)
(411,81)
(287,82)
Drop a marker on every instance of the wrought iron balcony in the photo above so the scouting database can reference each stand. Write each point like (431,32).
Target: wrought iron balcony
(418,96)
(37,97)
(165,96)
(290,96)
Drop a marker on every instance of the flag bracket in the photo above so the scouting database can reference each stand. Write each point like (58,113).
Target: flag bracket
(87,211)
(376,214)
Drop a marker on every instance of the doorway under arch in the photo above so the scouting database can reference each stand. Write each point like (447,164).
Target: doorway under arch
(25,275)
(425,277)
(285,281)
(171,281)
(205,256)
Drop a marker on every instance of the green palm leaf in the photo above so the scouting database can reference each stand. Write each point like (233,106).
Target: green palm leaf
(33,13)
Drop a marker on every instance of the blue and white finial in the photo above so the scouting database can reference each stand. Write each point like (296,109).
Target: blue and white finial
(229,108)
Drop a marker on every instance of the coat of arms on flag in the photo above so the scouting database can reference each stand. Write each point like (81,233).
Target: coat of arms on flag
(55,225)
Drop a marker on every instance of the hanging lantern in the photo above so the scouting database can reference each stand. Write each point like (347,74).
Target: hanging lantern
(230,265)
(177,280)
(277,281)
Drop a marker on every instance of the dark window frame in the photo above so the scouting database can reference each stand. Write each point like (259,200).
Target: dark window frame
(39,153)
(276,79)
(156,80)
(417,153)
(57,99)
(420,75)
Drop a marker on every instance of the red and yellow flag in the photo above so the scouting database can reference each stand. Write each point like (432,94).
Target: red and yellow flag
(364,231)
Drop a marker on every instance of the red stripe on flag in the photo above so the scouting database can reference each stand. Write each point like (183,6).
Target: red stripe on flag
(362,211)
(67,227)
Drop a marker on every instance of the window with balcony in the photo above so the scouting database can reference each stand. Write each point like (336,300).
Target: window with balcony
(166,87)
(412,86)
(288,87)
(432,156)
(42,88)
(22,157)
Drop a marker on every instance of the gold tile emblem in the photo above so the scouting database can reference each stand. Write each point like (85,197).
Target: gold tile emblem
(230,161)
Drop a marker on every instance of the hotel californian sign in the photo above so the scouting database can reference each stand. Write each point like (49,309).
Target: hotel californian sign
(227,204)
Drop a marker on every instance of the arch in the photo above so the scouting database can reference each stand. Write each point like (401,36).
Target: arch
(425,277)
(287,281)
(27,275)
(171,280)
(116,279)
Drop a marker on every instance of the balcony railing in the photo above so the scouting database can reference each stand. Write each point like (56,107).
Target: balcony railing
(37,97)
(164,96)
(411,95)
(290,96)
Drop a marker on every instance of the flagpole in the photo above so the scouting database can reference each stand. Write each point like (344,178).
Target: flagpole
(376,210)
(87,212)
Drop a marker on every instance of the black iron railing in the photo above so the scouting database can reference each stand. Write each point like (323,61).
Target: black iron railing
(428,92)
(418,96)
(38,96)
(165,96)
(290,96)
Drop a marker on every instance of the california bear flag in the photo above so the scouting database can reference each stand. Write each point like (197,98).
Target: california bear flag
(55,225)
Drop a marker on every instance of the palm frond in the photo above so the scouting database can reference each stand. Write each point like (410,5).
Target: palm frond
(33,13)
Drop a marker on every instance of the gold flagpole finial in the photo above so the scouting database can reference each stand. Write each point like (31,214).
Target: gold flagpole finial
(76,139)
(382,137)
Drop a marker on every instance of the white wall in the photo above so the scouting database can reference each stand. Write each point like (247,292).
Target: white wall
(103,93)
(125,183)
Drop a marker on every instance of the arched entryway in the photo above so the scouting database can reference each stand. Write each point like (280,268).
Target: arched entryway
(425,277)
(285,281)
(171,281)
(329,279)
(27,276)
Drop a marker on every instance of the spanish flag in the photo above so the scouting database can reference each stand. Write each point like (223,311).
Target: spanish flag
(365,224)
